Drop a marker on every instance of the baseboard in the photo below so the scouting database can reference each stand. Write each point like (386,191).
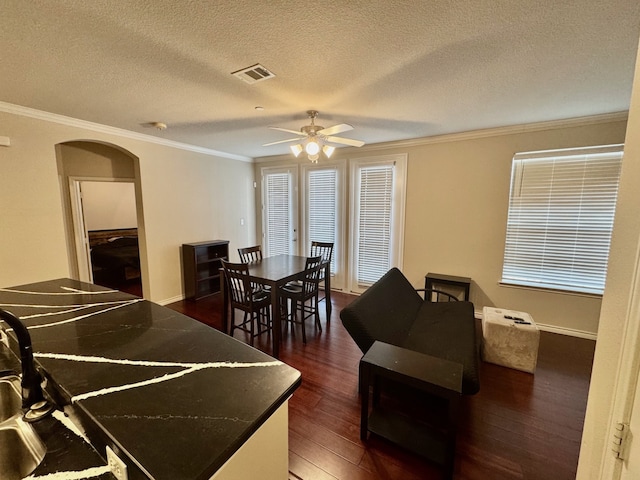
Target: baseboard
(555,329)
(568,331)
(167,301)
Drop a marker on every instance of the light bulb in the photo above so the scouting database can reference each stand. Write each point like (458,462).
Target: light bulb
(296,149)
(314,158)
(328,150)
(312,147)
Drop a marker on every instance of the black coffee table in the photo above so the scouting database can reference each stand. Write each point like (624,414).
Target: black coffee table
(439,378)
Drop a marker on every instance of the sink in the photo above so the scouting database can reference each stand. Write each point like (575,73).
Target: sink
(21,451)
(10,397)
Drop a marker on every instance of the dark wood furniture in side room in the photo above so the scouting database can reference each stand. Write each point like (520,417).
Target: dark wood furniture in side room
(201,264)
(432,281)
(436,376)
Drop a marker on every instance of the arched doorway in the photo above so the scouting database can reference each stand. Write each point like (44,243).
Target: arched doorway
(103,211)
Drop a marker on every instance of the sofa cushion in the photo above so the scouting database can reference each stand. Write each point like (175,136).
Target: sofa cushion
(448,330)
(385,312)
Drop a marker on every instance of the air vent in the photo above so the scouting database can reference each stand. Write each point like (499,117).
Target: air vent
(253,74)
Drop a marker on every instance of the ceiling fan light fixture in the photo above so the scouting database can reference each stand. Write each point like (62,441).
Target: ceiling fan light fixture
(328,150)
(296,149)
(312,147)
(314,158)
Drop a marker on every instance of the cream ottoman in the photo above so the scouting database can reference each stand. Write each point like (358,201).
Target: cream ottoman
(509,342)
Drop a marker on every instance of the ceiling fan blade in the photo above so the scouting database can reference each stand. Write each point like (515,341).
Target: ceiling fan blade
(345,141)
(340,128)
(295,132)
(281,141)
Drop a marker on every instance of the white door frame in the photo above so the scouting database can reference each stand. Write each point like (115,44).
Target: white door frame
(81,238)
(338,278)
(626,387)
(398,216)
(292,171)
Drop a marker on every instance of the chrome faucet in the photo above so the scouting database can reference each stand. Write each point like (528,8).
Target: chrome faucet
(31,379)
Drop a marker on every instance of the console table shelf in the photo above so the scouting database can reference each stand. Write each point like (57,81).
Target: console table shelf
(439,378)
(201,263)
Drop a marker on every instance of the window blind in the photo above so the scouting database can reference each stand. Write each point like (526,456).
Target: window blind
(278,213)
(561,210)
(374,223)
(323,208)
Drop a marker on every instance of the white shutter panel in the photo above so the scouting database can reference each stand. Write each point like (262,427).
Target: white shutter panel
(323,208)
(374,255)
(561,210)
(278,226)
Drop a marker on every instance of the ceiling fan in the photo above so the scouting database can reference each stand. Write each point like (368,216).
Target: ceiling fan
(312,138)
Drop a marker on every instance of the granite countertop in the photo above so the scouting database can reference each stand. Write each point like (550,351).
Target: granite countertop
(69,453)
(174,397)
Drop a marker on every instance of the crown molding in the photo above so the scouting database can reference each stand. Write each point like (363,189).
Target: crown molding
(120,132)
(475,134)
(498,131)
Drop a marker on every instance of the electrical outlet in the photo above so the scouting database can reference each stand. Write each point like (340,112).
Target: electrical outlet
(117,466)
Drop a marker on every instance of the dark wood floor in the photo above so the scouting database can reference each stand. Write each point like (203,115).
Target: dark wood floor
(519,426)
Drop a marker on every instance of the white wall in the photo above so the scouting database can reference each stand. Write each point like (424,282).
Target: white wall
(456,211)
(109,205)
(187,196)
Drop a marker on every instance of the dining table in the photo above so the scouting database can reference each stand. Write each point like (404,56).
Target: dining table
(275,272)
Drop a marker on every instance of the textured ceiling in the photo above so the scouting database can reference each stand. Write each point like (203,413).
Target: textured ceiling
(393,69)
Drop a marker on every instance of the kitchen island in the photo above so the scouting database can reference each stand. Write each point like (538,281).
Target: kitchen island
(174,398)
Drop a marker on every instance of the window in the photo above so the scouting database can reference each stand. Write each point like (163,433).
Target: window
(561,210)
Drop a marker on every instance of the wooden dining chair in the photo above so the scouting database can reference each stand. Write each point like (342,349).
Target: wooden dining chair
(325,250)
(304,296)
(249,298)
(250,254)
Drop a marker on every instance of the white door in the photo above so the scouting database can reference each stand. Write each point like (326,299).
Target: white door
(279,213)
(323,213)
(377,218)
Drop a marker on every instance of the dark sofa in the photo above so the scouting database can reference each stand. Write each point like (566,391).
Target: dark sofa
(392,311)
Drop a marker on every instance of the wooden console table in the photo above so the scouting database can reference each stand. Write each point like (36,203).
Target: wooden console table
(439,378)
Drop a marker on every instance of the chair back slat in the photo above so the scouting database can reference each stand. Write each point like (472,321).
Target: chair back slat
(311,279)
(237,276)
(323,249)
(250,254)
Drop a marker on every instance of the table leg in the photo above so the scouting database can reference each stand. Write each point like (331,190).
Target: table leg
(364,400)
(225,302)
(277,319)
(327,290)
(452,431)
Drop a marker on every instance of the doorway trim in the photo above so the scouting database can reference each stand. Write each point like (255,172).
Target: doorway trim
(80,235)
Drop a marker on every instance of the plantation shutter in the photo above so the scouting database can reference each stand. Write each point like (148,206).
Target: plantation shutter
(323,208)
(374,255)
(278,214)
(561,210)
